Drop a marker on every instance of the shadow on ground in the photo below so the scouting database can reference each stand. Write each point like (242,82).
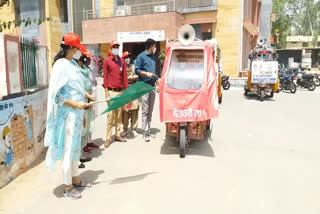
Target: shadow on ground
(131,178)
(153,131)
(40,158)
(95,153)
(89,176)
(196,147)
(256,97)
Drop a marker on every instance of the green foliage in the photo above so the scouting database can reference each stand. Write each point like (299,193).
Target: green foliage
(10,24)
(296,17)
(162,56)
(4,2)
(17,23)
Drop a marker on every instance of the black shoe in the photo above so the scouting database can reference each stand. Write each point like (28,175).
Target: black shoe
(81,166)
(146,137)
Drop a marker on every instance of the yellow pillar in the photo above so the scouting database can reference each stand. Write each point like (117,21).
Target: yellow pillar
(53,29)
(228,32)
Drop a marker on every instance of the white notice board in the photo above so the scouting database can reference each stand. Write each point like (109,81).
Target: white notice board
(141,36)
(264,72)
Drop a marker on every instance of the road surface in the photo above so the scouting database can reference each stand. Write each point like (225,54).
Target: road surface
(264,158)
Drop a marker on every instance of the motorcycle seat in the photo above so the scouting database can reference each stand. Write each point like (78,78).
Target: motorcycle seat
(307,76)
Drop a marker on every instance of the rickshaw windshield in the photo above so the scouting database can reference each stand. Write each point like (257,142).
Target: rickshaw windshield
(186,69)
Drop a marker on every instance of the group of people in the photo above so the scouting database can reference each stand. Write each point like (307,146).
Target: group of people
(118,74)
(71,114)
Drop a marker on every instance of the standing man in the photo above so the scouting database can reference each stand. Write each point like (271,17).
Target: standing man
(146,69)
(115,81)
(131,112)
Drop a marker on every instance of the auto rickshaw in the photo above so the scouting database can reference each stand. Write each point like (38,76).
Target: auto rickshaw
(188,89)
(263,78)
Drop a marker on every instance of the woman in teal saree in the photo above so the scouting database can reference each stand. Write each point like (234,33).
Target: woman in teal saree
(65,115)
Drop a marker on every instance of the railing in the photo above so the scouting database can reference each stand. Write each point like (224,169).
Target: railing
(29,67)
(146,8)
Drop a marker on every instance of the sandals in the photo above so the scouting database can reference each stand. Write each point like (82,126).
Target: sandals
(73,194)
(82,184)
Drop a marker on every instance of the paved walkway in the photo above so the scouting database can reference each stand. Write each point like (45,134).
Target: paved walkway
(264,158)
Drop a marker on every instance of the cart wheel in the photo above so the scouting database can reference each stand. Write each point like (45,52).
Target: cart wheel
(262,94)
(271,94)
(220,99)
(246,92)
(183,141)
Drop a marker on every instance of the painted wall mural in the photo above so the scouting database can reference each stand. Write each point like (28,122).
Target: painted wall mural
(22,130)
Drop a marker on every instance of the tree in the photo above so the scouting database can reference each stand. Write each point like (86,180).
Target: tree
(307,21)
(283,21)
(296,17)
(315,39)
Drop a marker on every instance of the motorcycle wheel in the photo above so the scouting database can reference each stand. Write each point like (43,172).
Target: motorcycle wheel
(226,85)
(317,82)
(312,86)
(262,94)
(293,88)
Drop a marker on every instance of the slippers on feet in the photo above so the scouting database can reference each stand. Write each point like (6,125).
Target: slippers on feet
(72,194)
(82,184)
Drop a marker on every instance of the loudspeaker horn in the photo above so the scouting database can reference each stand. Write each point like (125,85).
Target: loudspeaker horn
(186,34)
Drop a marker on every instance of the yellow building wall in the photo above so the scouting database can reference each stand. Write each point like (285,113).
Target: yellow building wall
(7,14)
(104,48)
(163,46)
(53,28)
(228,32)
(202,15)
(106,8)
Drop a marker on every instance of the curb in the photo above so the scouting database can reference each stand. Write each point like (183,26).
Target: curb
(237,82)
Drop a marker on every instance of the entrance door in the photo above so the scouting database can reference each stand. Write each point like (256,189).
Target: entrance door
(136,48)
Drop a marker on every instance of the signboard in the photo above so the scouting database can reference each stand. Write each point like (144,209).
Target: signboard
(264,72)
(141,36)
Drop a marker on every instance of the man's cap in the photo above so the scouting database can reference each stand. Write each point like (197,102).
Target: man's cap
(126,54)
(71,39)
(114,43)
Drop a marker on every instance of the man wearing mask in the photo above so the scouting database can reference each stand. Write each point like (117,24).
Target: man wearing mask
(130,112)
(115,81)
(146,69)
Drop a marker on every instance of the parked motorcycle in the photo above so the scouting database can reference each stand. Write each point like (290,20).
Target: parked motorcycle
(306,81)
(225,82)
(317,79)
(287,83)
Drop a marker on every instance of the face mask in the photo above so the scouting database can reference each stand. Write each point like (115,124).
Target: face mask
(77,55)
(127,61)
(115,51)
(154,50)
